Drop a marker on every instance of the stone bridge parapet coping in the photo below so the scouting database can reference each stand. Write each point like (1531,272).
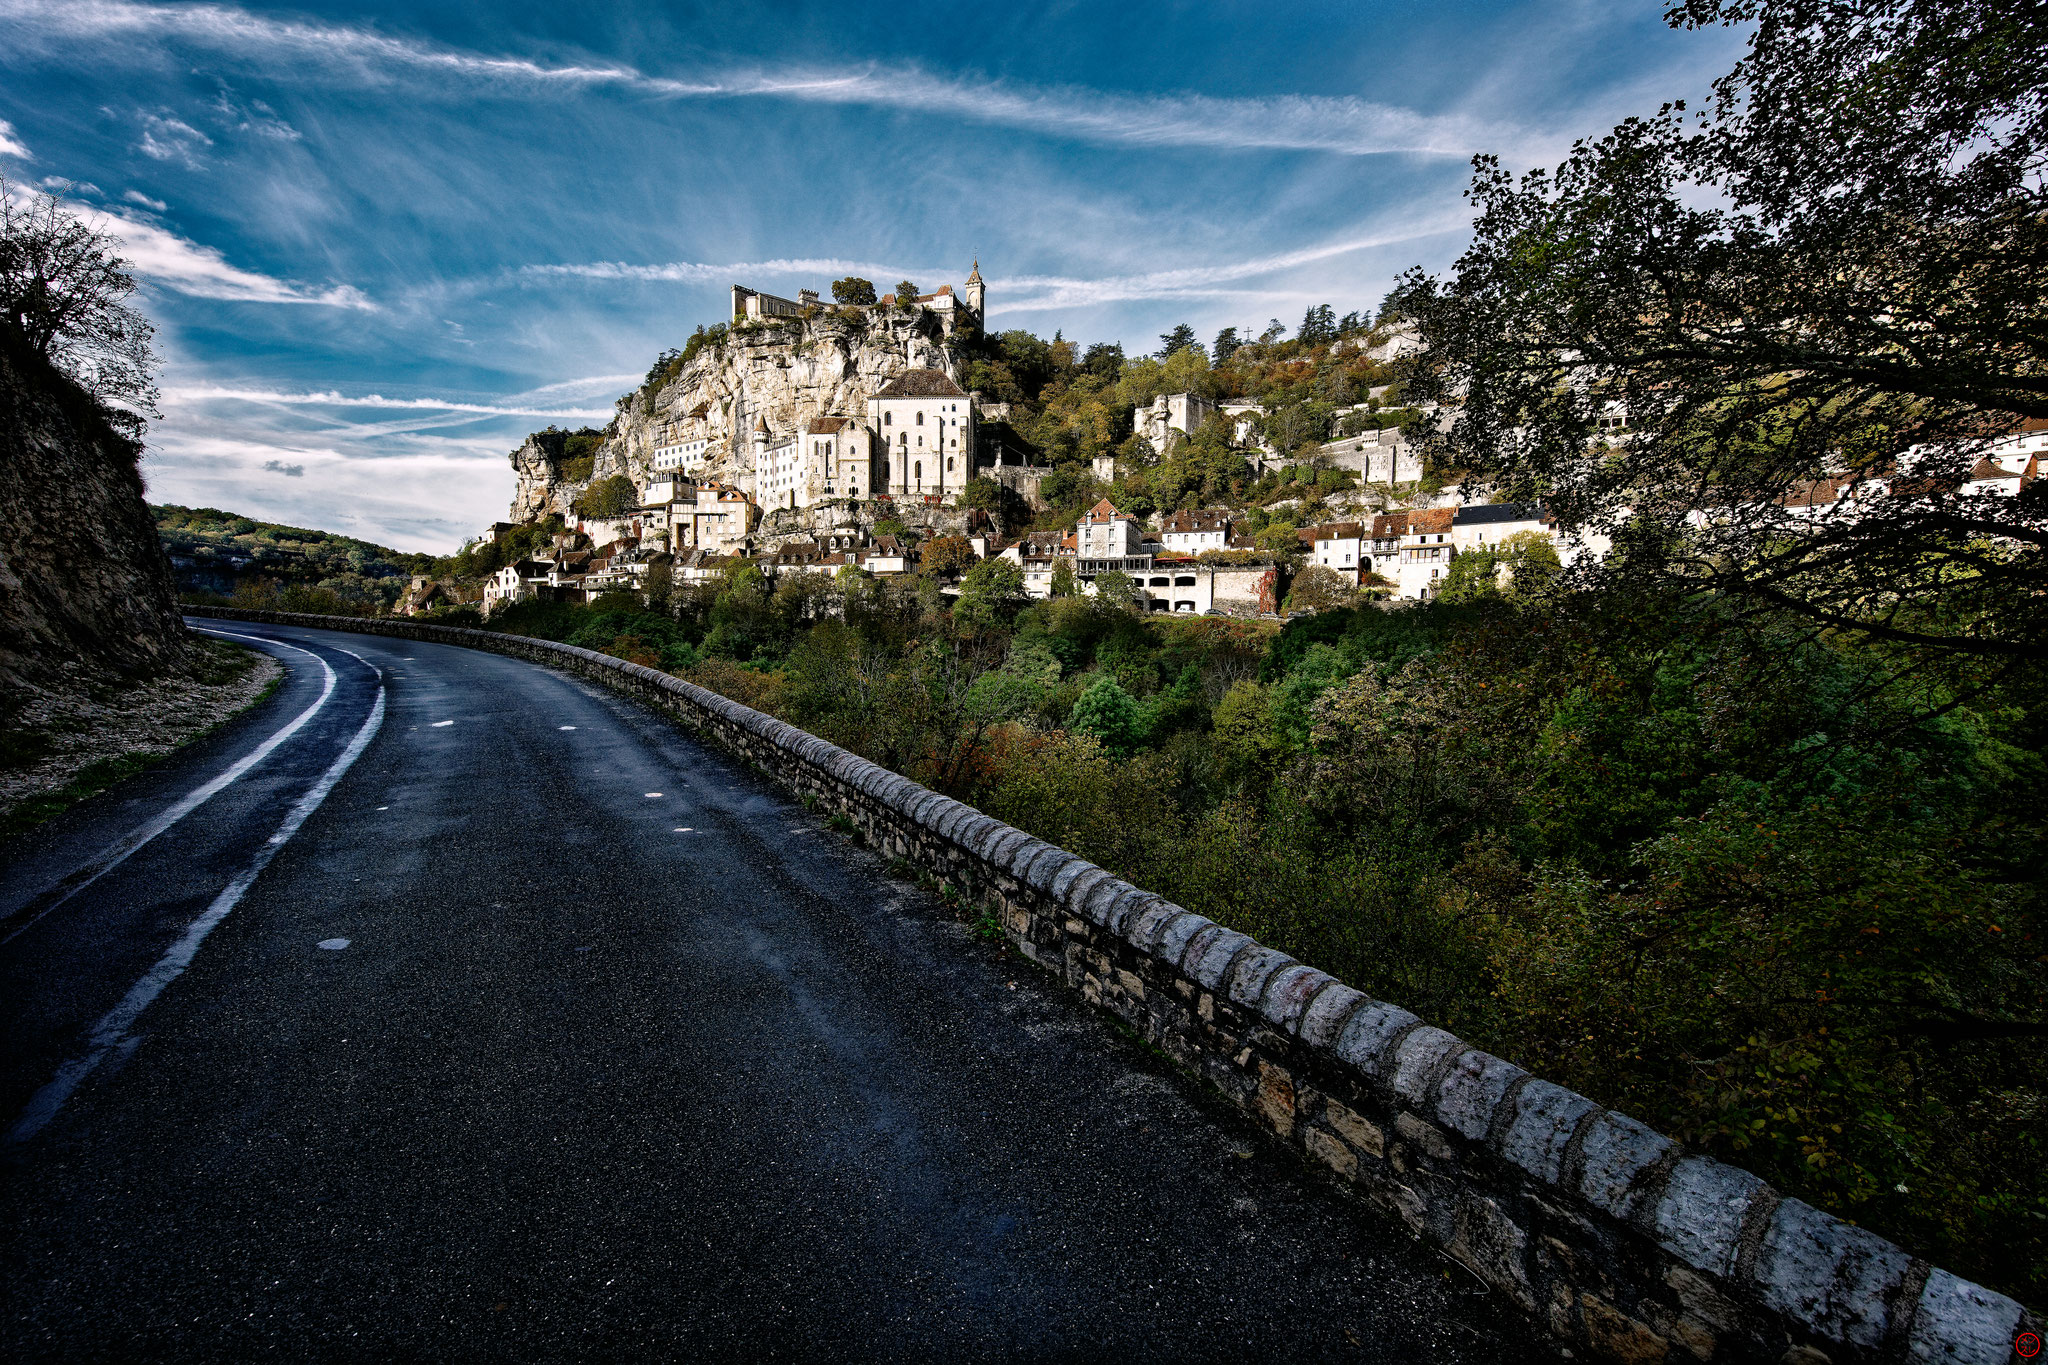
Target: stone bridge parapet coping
(1608,1234)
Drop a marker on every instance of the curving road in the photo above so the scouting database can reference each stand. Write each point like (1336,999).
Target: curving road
(625,1056)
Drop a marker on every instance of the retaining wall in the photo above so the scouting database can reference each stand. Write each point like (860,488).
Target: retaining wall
(1605,1232)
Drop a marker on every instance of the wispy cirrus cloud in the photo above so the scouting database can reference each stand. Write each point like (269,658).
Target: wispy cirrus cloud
(1057,291)
(203,272)
(330,398)
(10,144)
(699,272)
(170,139)
(1340,124)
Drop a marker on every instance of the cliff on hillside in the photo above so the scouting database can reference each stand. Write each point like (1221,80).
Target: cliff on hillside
(83,579)
(784,370)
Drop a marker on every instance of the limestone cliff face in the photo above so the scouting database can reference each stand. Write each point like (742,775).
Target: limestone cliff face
(784,371)
(83,578)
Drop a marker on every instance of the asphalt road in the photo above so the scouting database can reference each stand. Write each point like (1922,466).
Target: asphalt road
(626,1057)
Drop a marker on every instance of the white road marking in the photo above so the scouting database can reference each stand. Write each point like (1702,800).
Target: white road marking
(684,829)
(565,727)
(383,808)
(332,944)
(111,1031)
(651,795)
(439,723)
(198,796)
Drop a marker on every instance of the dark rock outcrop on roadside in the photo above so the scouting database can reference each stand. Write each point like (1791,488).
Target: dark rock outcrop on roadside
(84,583)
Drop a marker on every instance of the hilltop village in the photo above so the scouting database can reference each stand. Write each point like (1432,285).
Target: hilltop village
(892,435)
(857,436)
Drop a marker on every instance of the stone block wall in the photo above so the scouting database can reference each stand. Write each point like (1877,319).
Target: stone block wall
(1603,1231)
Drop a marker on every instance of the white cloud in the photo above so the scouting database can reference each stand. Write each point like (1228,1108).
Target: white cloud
(290,471)
(138,197)
(201,271)
(567,390)
(333,399)
(1053,291)
(169,139)
(430,493)
(12,145)
(698,271)
(1345,125)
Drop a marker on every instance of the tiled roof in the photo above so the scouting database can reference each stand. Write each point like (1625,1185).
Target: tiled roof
(1339,530)
(1991,469)
(1412,522)
(1486,514)
(1203,519)
(826,426)
(920,384)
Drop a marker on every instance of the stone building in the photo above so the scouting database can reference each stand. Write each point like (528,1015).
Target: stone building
(1168,413)
(962,311)
(923,425)
(842,450)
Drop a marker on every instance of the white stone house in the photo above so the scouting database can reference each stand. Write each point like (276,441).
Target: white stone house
(1340,546)
(1193,531)
(1414,550)
(1481,525)
(923,424)
(683,457)
(780,476)
(722,519)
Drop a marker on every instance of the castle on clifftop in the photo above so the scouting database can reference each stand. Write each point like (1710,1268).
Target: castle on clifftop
(954,311)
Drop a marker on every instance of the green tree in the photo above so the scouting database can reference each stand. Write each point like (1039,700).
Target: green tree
(982,494)
(1181,338)
(1831,266)
(1225,346)
(1063,584)
(990,595)
(906,294)
(1321,588)
(853,291)
(1118,590)
(1110,714)
(608,497)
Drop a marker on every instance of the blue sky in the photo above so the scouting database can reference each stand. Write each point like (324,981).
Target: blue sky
(383,241)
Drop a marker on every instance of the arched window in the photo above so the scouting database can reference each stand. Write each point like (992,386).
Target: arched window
(917,471)
(949,464)
(888,418)
(920,419)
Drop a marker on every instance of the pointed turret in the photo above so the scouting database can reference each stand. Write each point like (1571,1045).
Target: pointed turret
(975,291)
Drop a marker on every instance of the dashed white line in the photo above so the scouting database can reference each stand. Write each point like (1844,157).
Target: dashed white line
(332,945)
(439,723)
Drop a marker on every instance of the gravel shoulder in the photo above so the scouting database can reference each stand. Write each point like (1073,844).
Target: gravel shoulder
(69,742)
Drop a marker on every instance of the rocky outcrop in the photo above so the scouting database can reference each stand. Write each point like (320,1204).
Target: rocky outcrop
(784,371)
(84,584)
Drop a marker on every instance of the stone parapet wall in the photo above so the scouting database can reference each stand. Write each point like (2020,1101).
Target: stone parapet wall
(1605,1232)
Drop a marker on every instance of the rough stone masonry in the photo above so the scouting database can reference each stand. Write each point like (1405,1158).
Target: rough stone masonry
(1607,1233)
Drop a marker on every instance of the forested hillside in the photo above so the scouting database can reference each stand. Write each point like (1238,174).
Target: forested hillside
(218,553)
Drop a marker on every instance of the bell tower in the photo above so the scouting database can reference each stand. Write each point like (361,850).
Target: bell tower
(975,291)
